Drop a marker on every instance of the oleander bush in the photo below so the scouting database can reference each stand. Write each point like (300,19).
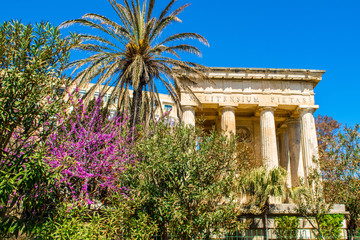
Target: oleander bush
(32,58)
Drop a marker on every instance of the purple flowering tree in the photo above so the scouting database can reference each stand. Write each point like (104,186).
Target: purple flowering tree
(90,151)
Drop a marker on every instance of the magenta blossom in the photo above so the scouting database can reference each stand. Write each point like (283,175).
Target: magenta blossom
(91,151)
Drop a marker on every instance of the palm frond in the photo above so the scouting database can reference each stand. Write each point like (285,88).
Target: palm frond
(116,28)
(184,48)
(150,10)
(160,26)
(99,39)
(185,36)
(179,10)
(93,47)
(88,23)
(166,9)
(119,9)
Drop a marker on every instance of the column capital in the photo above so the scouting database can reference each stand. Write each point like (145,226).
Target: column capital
(267,108)
(227,107)
(290,121)
(188,107)
(282,128)
(302,109)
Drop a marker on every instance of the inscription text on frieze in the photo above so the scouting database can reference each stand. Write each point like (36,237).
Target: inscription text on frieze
(251,99)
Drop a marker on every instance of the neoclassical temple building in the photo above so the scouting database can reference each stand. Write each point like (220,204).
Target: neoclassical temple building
(274,106)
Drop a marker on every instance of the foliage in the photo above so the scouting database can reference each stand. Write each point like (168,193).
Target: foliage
(28,194)
(347,149)
(311,204)
(327,129)
(90,151)
(261,184)
(331,225)
(191,181)
(188,181)
(130,54)
(287,227)
(32,58)
(340,165)
(119,219)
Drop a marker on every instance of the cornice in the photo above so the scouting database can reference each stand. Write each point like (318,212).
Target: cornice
(223,73)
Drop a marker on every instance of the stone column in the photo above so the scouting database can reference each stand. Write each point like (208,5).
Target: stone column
(228,122)
(278,147)
(284,152)
(188,116)
(268,138)
(296,162)
(218,122)
(309,144)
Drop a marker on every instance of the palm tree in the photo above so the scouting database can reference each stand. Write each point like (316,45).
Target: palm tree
(130,54)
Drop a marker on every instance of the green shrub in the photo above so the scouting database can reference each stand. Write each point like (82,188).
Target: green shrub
(121,218)
(287,227)
(330,226)
(184,177)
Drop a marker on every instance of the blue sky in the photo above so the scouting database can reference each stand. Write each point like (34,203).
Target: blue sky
(310,34)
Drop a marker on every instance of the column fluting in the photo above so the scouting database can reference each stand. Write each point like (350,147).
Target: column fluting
(268,138)
(296,160)
(188,116)
(309,144)
(228,122)
(284,152)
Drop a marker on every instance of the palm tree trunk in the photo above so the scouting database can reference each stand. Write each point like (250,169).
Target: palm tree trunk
(265,225)
(351,228)
(265,219)
(136,106)
(164,231)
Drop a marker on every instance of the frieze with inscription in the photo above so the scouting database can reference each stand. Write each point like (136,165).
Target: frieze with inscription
(248,99)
